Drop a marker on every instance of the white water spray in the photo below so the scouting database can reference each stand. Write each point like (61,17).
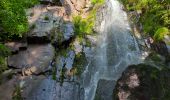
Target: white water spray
(116,49)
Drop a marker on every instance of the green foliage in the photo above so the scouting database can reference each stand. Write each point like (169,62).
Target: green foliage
(79,63)
(85,26)
(160,33)
(155,15)
(97,2)
(82,26)
(4,52)
(54,70)
(46,18)
(17,93)
(13,18)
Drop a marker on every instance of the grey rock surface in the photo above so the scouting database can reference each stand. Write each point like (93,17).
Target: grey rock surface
(52,90)
(36,58)
(105,90)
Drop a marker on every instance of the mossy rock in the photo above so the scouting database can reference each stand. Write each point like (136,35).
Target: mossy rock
(79,63)
(143,82)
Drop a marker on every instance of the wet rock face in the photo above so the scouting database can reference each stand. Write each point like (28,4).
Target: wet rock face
(49,89)
(34,60)
(105,90)
(67,30)
(143,82)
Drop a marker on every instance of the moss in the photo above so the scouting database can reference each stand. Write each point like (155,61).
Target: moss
(154,83)
(97,2)
(62,75)
(79,62)
(97,97)
(4,52)
(17,93)
(46,18)
(88,43)
(54,70)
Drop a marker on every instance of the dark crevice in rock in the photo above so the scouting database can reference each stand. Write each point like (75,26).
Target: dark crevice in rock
(65,44)
(51,2)
(38,40)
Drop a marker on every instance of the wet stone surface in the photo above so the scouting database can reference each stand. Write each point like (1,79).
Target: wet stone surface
(52,90)
(105,90)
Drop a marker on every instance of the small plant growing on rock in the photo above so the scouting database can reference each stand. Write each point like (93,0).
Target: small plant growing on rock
(46,18)
(17,93)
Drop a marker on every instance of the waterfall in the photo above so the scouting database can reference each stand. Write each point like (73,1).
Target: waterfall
(116,49)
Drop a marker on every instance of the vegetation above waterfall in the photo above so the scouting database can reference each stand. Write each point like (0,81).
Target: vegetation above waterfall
(154,16)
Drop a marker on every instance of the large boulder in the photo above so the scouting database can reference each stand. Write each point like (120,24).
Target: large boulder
(143,82)
(34,60)
(43,20)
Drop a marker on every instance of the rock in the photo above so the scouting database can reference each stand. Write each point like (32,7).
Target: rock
(80,4)
(34,60)
(143,82)
(92,39)
(46,1)
(49,89)
(74,6)
(67,30)
(105,90)
(7,89)
(43,20)
(160,47)
(167,41)
(16,46)
(65,61)
(78,47)
(29,84)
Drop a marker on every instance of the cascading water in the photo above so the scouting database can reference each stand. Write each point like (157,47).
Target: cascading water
(116,49)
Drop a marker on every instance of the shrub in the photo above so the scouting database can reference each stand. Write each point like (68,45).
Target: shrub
(160,33)
(97,2)
(83,25)
(13,18)
(155,16)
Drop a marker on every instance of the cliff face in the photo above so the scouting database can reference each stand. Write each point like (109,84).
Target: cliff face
(43,65)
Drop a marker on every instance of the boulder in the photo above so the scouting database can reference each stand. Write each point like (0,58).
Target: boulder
(43,20)
(143,82)
(34,60)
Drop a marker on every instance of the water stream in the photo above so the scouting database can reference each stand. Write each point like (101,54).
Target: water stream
(116,49)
